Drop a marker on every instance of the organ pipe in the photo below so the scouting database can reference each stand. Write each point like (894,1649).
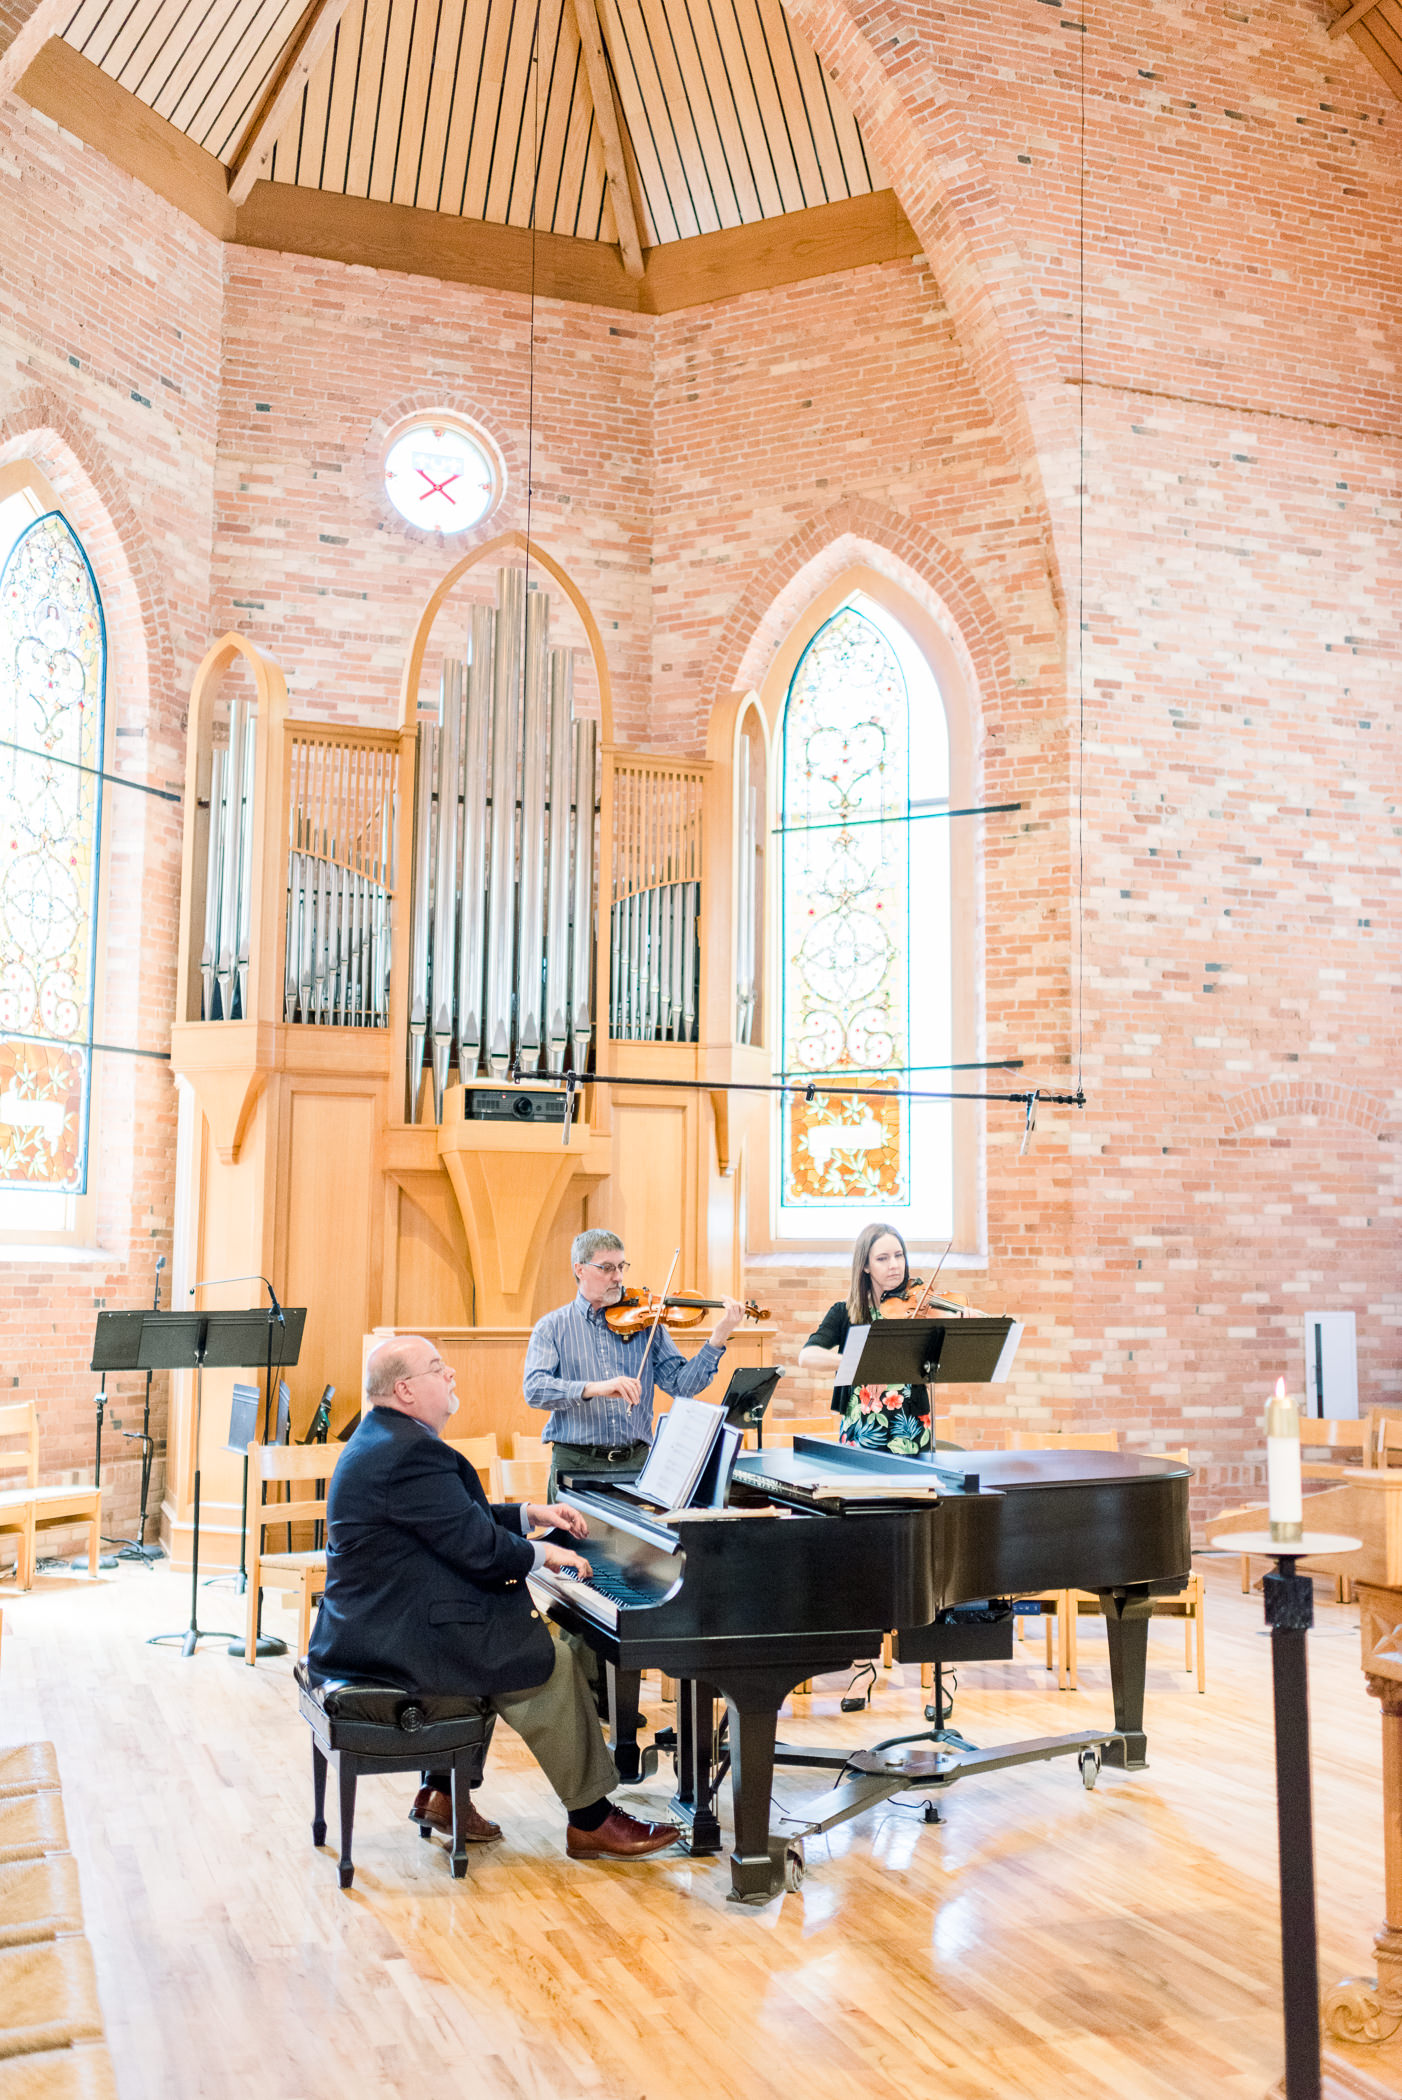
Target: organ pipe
(511,987)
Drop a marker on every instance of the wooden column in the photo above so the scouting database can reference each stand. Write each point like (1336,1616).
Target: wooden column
(1369,2009)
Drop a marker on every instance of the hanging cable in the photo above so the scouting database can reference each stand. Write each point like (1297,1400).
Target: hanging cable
(530,327)
(1080,614)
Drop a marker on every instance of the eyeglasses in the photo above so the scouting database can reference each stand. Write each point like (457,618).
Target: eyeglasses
(608,1268)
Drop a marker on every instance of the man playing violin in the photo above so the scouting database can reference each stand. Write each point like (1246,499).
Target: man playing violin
(598,1385)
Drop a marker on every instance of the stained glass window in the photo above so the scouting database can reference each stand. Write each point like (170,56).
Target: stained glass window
(864,935)
(53,668)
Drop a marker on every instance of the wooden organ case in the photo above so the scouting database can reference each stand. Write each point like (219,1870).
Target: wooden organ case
(392,942)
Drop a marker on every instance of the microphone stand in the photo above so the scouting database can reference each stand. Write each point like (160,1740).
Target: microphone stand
(264,1643)
(137,1548)
(194,1633)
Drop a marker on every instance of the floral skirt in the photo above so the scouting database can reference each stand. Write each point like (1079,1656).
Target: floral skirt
(881,1418)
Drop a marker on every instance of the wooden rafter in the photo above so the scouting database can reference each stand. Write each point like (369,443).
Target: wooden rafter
(314,32)
(596,67)
(1359,9)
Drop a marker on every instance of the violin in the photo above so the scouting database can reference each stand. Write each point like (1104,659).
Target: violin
(922,1302)
(637,1309)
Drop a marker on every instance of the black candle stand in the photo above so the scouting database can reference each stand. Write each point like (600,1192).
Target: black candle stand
(1289,1599)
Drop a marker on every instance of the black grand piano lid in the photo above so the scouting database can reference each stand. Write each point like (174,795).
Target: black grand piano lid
(1005,1471)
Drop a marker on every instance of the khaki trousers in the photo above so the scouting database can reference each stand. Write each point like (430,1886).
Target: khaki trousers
(559,1726)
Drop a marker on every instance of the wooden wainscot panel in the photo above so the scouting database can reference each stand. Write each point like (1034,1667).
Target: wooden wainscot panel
(326,1189)
(510,1181)
(429,1275)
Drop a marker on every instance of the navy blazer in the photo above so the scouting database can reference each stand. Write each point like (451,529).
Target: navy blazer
(425,1580)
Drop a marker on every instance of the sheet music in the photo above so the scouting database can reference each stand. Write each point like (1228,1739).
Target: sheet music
(851,1356)
(685,1438)
(1002,1370)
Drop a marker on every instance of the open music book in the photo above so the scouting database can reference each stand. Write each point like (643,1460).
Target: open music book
(691,1460)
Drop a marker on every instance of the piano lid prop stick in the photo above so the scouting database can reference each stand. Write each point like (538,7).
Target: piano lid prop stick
(661,1308)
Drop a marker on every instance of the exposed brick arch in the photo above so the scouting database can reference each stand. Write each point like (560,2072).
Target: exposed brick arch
(890,72)
(1327,1100)
(38,425)
(852,531)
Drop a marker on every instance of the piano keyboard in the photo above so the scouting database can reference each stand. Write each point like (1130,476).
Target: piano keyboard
(609,1588)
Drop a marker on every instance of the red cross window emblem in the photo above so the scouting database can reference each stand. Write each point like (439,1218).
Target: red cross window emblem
(439,477)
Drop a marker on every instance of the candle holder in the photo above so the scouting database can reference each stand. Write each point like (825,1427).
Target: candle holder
(1289,1597)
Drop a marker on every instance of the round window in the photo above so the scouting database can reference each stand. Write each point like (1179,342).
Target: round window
(439,477)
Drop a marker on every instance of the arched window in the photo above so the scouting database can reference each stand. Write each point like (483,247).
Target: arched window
(53,673)
(864,962)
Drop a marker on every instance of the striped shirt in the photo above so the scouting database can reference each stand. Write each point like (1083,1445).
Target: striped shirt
(575,1346)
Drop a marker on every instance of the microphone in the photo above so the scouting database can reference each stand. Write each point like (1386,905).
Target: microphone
(208,1282)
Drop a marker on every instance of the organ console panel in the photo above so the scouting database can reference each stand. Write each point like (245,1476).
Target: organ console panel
(394,939)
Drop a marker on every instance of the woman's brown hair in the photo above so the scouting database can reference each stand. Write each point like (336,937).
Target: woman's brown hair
(861,1298)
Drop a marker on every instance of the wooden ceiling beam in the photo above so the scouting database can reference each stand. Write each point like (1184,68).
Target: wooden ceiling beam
(1359,9)
(314,32)
(83,99)
(854,232)
(596,67)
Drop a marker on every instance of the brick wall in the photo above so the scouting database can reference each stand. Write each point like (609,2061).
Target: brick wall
(1227,976)
(109,361)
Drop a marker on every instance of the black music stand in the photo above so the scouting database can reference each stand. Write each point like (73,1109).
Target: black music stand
(196,1341)
(748,1394)
(978,1350)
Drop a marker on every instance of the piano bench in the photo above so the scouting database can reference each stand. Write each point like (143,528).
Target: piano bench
(371,1728)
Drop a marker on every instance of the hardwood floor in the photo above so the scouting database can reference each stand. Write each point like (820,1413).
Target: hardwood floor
(1044,1943)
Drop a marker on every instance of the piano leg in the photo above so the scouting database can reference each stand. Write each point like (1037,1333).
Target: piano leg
(1127,1615)
(624,1690)
(697,1777)
(759,1863)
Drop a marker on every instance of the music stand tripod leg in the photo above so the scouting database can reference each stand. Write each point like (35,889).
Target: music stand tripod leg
(194,1633)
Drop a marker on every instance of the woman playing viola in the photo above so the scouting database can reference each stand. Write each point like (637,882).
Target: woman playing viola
(877,1417)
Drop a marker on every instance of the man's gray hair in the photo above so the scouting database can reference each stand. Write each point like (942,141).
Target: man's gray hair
(585,1245)
(387,1363)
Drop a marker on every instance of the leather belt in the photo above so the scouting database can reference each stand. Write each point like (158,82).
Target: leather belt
(610,1454)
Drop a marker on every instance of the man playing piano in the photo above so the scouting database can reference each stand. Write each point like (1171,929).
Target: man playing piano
(425,1587)
(598,1385)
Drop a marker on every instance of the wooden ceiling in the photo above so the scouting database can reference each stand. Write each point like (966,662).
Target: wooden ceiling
(1376,28)
(644,153)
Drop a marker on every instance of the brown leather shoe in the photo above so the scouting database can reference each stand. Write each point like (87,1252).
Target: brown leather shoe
(620,1836)
(433,1810)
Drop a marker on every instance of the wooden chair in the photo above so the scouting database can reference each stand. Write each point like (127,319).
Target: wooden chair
(27,1510)
(1188,1605)
(1059,1606)
(524,1479)
(303,1573)
(1333,1442)
(481,1453)
(1387,1438)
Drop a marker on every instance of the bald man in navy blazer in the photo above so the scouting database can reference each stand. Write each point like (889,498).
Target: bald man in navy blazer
(426,1588)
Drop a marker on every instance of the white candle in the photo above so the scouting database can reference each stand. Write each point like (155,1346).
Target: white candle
(1283,1468)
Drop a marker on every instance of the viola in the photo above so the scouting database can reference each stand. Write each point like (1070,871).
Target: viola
(637,1309)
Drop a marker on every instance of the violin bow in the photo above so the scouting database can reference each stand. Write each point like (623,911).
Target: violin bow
(920,1301)
(661,1308)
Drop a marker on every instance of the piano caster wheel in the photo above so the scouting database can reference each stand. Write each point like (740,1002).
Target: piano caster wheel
(1089,1761)
(793,1867)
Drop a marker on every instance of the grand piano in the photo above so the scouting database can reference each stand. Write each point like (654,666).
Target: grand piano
(819,1553)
